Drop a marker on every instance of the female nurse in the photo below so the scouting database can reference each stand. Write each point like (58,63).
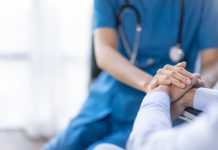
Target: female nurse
(110,109)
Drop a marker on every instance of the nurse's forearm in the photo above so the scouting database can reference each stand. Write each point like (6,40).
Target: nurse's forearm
(109,59)
(209,69)
(121,69)
(210,74)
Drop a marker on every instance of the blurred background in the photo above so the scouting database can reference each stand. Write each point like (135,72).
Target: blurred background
(45,48)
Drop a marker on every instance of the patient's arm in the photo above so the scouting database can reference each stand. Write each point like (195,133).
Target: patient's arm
(152,128)
(203,98)
(199,99)
(154,113)
(153,116)
(202,134)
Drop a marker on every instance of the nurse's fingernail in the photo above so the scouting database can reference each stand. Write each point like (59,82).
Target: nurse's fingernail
(192,76)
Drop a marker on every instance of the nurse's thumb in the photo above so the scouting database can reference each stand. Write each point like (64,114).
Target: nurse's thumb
(181,64)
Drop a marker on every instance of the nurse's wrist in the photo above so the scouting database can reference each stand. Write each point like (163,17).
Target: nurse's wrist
(145,85)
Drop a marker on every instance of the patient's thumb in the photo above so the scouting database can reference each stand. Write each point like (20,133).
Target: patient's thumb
(197,75)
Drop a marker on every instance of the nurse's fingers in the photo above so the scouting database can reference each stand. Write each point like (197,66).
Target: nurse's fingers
(174,81)
(161,81)
(166,80)
(176,75)
(177,83)
(181,64)
(158,81)
(180,70)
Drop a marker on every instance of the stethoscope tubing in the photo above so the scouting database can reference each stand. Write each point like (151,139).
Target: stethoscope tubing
(132,54)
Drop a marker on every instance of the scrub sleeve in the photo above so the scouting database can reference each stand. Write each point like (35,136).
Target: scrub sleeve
(208,31)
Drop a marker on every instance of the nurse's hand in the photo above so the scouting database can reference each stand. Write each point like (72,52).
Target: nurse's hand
(176,93)
(172,75)
(181,98)
(178,106)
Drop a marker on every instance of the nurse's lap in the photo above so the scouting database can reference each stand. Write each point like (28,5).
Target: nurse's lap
(79,137)
(107,147)
(114,140)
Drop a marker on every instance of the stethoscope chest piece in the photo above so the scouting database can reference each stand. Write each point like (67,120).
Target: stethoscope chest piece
(176,54)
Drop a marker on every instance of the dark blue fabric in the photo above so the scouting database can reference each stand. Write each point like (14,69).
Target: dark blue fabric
(82,136)
(160,19)
(87,136)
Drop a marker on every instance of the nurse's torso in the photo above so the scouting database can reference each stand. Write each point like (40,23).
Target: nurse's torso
(160,25)
(160,22)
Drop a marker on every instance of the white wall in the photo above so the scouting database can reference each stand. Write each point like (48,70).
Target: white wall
(43,40)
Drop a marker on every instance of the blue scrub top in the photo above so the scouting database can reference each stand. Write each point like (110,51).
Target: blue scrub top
(160,22)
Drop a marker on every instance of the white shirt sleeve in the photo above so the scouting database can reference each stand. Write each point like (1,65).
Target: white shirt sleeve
(201,134)
(154,115)
(204,97)
(152,128)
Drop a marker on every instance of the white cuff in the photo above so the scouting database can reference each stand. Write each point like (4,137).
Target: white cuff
(157,98)
(204,97)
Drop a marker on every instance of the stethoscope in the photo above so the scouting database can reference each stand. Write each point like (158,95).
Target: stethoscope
(176,53)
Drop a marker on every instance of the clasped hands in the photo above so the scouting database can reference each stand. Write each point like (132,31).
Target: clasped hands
(179,84)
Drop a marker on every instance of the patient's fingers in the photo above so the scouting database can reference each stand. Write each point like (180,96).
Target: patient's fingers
(198,82)
(197,75)
(201,83)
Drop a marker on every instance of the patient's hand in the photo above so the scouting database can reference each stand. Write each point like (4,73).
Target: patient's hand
(178,107)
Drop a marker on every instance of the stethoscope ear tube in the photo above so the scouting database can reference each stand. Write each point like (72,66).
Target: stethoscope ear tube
(132,54)
(176,52)
(123,8)
(179,38)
